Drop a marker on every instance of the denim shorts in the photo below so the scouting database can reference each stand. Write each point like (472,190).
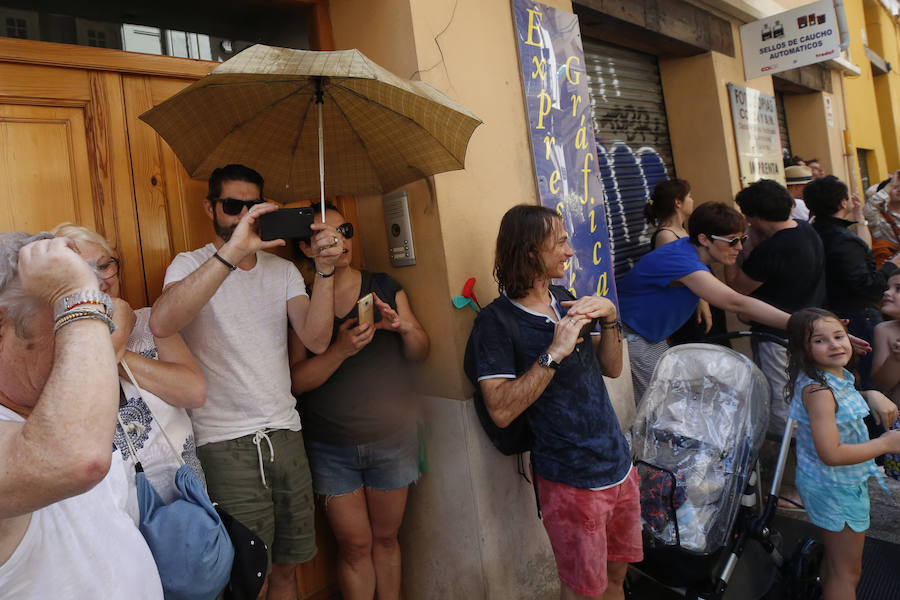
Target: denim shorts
(831,507)
(388,464)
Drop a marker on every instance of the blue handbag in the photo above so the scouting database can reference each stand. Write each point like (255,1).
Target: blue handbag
(189,542)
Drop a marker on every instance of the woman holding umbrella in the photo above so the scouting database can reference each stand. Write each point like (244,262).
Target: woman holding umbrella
(359,421)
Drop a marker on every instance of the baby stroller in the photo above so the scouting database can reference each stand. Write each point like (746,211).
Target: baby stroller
(695,439)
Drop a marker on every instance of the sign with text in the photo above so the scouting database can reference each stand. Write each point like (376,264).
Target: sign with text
(791,39)
(562,140)
(756,135)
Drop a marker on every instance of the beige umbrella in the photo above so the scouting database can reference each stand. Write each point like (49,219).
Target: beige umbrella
(260,109)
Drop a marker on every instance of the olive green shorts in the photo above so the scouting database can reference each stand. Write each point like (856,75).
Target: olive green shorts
(282,511)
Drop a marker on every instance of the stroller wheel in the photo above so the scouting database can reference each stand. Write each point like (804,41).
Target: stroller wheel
(803,570)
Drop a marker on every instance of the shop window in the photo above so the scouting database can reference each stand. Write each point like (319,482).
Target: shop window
(201,29)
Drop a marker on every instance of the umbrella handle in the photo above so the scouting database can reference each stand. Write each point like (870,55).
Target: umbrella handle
(319,101)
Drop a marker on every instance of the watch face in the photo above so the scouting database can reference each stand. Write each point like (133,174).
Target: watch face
(544,360)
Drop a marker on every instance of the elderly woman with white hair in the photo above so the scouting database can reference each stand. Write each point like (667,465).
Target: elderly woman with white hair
(168,379)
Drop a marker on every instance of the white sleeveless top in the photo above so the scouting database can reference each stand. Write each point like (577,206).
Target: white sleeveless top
(85,546)
(145,414)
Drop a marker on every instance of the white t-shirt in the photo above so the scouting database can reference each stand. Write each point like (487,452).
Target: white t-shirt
(85,546)
(800,211)
(240,341)
(142,414)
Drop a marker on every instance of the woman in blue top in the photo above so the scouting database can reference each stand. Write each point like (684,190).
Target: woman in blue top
(663,289)
(834,452)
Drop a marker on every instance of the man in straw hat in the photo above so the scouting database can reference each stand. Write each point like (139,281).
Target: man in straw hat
(232,304)
(796,177)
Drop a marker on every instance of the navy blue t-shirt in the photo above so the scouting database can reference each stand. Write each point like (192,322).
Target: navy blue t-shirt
(648,303)
(577,440)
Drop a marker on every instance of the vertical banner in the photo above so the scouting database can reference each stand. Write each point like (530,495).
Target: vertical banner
(562,140)
(756,135)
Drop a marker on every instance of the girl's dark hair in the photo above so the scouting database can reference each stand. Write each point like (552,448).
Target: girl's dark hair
(661,205)
(714,218)
(800,330)
(517,260)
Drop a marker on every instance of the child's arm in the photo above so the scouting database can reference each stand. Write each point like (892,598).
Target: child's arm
(886,360)
(821,406)
(882,409)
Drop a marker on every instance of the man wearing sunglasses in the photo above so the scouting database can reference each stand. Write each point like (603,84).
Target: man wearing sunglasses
(786,269)
(232,304)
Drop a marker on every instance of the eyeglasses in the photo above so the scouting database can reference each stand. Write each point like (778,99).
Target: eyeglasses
(106,270)
(346,230)
(731,241)
(233,206)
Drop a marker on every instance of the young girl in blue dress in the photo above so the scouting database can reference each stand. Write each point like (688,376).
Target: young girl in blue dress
(834,452)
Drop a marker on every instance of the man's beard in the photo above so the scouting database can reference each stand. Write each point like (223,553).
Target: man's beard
(223,232)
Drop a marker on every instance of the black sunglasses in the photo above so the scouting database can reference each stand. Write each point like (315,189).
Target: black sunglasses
(232,206)
(346,230)
(731,241)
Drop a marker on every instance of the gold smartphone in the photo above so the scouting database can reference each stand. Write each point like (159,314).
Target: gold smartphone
(365,309)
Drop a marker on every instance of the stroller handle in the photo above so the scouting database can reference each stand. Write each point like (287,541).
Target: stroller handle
(761,336)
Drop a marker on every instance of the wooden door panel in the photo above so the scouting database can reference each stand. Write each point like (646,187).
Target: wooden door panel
(167,200)
(51,83)
(46,172)
(113,186)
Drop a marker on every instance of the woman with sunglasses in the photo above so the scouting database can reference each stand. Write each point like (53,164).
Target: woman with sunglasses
(169,379)
(359,421)
(665,286)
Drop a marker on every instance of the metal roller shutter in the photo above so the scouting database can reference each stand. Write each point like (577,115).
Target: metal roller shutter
(633,146)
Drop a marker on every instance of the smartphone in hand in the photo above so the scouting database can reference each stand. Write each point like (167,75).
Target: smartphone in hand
(365,307)
(287,224)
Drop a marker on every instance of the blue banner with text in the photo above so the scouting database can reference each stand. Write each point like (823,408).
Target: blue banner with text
(562,140)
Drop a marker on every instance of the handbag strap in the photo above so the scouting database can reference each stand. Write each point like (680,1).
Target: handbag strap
(889,219)
(162,429)
(131,451)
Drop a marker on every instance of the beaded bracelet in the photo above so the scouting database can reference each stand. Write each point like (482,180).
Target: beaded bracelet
(71,316)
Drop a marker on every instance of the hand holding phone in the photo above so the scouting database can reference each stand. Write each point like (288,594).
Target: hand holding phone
(365,309)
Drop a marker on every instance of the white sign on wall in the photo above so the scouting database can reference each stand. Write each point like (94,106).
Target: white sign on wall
(791,39)
(756,135)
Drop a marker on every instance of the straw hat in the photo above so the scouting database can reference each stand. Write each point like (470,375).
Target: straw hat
(797,175)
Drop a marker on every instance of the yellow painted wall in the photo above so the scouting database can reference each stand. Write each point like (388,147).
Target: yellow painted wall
(809,132)
(882,33)
(699,115)
(862,108)
(454,230)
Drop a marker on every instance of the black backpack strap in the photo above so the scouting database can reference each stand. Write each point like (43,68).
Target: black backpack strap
(509,322)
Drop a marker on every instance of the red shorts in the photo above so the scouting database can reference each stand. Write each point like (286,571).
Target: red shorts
(589,528)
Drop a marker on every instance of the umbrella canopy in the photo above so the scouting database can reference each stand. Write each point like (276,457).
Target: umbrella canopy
(259,109)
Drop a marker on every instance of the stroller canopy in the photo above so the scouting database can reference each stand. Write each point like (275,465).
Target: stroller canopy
(699,428)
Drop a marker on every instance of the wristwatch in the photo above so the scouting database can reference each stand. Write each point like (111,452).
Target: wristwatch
(84,297)
(545,360)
